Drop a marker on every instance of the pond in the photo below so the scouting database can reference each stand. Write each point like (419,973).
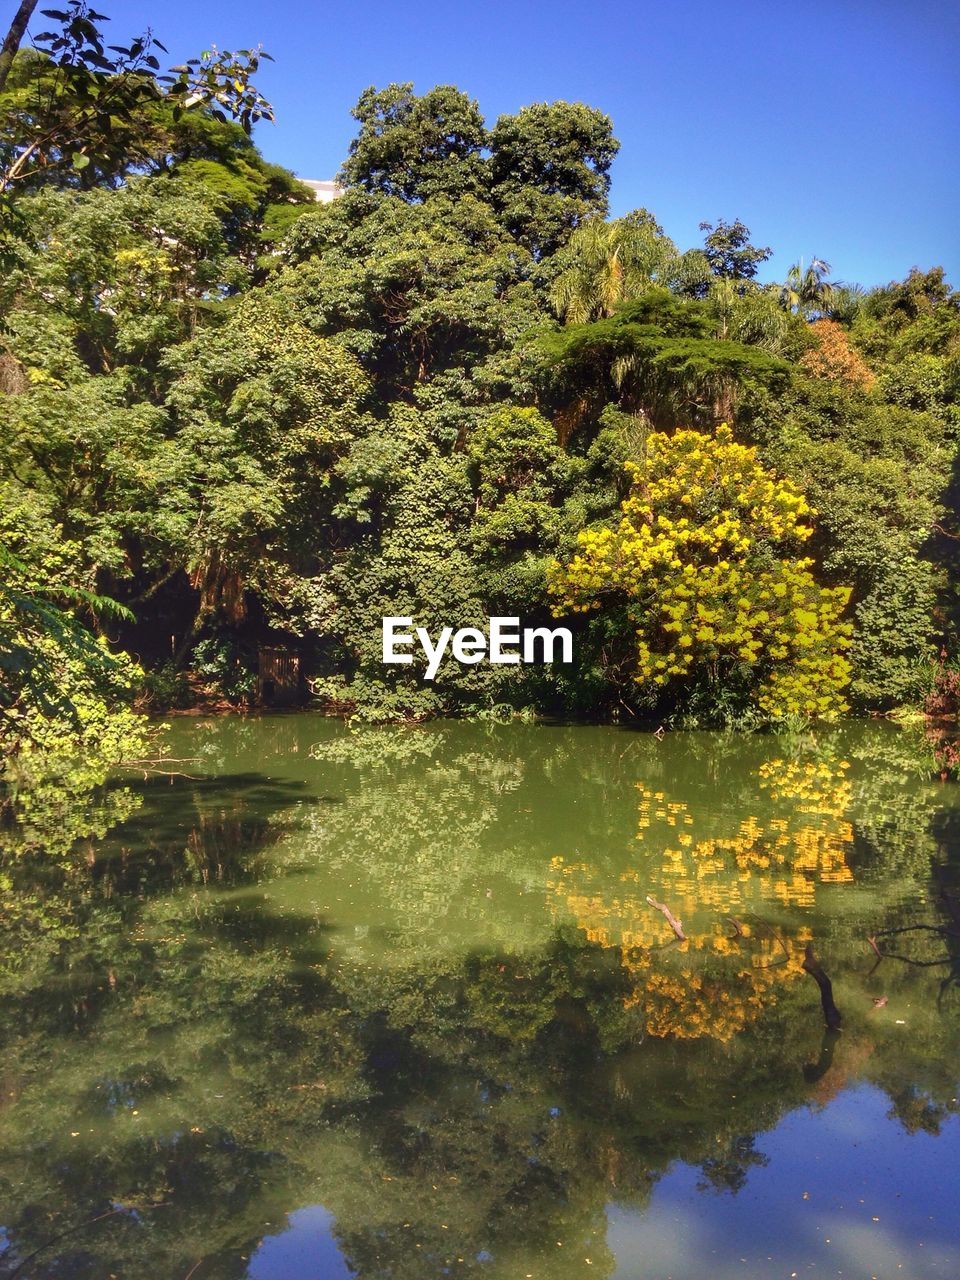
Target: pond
(393,1002)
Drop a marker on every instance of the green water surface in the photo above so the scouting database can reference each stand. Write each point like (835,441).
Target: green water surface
(393,1003)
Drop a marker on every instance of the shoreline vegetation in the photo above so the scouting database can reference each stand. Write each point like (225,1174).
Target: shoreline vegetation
(241,427)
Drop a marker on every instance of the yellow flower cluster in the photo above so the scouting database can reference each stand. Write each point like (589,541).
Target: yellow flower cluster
(699,554)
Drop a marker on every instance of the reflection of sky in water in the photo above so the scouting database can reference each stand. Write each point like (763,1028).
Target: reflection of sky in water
(830,1202)
(853,1163)
(305,1250)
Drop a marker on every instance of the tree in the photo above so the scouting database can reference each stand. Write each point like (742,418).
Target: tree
(729,252)
(703,566)
(134,272)
(658,355)
(415,147)
(755,317)
(264,409)
(431,296)
(806,289)
(14,38)
(878,475)
(916,316)
(833,357)
(65,715)
(519,472)
(74,105)
(608,263)
(846,303)
(549,171)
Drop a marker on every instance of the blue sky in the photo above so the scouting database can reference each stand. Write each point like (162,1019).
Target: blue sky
(829,126)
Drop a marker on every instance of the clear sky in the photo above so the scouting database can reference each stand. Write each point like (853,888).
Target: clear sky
(829,126)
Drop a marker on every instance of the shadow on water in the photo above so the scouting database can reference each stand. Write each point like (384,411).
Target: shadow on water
(210,826)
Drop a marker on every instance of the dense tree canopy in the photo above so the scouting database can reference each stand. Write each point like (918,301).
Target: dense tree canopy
(252,419)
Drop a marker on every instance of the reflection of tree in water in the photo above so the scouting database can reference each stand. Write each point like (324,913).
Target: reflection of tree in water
(748,899)
(723,974)
(201,830)
(729,1171)
(52,819)
(222,1051)
(78,924)
(420,831)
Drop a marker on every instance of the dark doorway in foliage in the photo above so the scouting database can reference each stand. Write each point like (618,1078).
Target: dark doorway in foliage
(278,677)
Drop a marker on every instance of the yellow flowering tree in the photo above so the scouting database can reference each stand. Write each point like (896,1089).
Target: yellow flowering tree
(704,566)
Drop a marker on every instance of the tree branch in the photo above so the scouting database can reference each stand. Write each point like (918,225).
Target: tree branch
(670,918)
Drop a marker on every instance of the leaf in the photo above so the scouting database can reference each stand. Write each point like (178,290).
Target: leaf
(79,160)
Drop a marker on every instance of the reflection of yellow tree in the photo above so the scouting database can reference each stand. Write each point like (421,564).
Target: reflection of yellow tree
(718,980)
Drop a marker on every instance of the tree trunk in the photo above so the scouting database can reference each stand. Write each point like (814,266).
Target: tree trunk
(18,29)
(831,1014)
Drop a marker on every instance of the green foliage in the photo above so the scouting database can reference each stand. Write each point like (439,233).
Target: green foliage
(76,109)
(224,665)
(518,471)
(549,171)
(729,252)
(417,147)
(877,475)
(258,420)
(543,170)
(65,715)
(608,263)
(807,289)
(659,356)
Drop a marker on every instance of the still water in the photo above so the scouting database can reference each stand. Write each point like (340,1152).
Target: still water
(393,1003)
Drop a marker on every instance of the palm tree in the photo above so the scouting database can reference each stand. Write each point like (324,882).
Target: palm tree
(846,302)
(606,263)
(753,316)
(807,289)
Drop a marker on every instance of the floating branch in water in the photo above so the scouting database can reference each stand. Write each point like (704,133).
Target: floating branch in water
(670,918)
(925,928)
(764,924)
(89,1222)
(831,1014)
(943,931)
